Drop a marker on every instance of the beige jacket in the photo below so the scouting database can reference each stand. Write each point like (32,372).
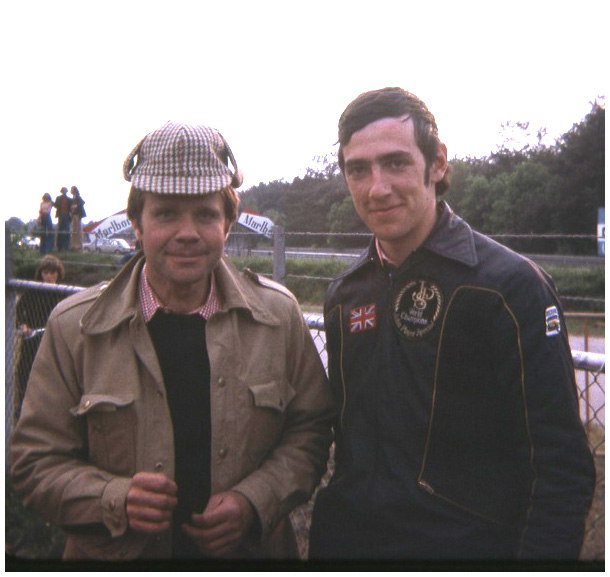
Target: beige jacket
(95,413)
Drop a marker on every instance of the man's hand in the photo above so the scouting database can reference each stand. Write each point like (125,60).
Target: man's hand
(222,525)
(150,501)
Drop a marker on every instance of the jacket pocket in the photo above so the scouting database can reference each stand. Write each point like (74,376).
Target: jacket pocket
(111,430)
(270,401)
(272,395)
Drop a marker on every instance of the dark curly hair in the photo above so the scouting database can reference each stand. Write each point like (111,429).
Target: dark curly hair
(394,103)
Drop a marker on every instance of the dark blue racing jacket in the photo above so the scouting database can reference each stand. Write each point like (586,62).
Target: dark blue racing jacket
(457,428)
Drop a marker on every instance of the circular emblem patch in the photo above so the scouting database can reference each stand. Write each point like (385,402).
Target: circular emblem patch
(416,308)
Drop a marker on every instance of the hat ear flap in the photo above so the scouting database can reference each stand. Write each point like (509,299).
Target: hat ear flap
(238,177)
(131,162)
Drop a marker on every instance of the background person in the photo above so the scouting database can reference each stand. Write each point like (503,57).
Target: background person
(45,224)
(458,435)
(32,313)
(77,210)
(182,410)
(63,205)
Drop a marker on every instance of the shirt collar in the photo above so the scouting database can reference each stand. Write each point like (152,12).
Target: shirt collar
(383,257)
(150,303)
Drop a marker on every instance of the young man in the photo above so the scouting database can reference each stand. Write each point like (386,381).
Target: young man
(458,433)
(182,410)
(63,208)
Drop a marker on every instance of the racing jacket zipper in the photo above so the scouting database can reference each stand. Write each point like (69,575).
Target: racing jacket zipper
(425,486)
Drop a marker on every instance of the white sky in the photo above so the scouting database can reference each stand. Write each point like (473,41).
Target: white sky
(84,81)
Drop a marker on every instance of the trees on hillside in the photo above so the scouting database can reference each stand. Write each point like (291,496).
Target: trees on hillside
(533,190)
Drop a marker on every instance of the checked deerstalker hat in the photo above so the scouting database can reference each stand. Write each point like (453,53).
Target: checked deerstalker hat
(182,159)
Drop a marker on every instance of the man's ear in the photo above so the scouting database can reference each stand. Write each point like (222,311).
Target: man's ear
(439,166)
(135,224)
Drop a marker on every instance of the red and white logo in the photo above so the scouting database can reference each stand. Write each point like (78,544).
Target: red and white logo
(363,318)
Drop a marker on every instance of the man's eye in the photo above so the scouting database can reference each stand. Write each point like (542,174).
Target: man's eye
(163,214)
(397,163)
(356,171)
(208,216)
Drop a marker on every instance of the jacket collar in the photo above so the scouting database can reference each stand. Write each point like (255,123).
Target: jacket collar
(451,238)
(236,292)
(118,301)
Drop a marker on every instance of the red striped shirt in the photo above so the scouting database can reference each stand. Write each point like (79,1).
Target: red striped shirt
(149,302)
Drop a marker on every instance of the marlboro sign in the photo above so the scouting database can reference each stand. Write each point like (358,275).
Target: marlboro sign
(110,225)
(254,221)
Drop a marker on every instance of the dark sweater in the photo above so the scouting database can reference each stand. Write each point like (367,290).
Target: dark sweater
(180,344)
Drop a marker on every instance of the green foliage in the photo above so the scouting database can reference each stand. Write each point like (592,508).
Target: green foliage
(539,190)
(343,218)
(477,200)
(15,224)
(81,268)
(581,282)
(308,279)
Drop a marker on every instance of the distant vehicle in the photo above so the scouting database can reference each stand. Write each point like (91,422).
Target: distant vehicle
(111,245)
(32,242)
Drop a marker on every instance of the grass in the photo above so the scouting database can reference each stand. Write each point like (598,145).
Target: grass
(593,326)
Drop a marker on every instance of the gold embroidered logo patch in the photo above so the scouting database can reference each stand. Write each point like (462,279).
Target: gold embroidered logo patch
(416,308)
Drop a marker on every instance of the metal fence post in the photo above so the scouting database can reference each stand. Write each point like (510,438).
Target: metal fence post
(10,304)
(279,254)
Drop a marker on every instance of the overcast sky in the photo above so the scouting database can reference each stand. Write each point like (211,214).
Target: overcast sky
(84,81)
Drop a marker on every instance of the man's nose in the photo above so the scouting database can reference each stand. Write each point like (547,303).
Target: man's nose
(187,229)
(380,186)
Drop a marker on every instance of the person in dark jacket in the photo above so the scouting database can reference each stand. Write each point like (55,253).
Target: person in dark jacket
(63,210)
(457,429)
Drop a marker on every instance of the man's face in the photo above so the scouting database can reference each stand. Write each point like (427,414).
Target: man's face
(182,237)
(385,173)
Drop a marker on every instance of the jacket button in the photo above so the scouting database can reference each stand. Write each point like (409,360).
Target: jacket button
(112,505)
(159,466)
(222,453)
(221,382)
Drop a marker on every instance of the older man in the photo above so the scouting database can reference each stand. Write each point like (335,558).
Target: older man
(180,411)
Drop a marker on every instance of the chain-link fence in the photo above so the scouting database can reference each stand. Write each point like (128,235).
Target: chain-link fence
(28,304)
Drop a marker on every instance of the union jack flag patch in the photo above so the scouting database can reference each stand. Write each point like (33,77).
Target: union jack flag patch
(363,318)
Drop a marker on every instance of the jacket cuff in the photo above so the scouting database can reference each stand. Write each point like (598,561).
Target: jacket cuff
(114,512)
(263,500)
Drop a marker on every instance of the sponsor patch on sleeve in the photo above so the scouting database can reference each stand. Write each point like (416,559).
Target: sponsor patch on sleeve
(553,322)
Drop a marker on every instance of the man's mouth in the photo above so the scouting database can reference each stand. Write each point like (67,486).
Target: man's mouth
(384,210)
